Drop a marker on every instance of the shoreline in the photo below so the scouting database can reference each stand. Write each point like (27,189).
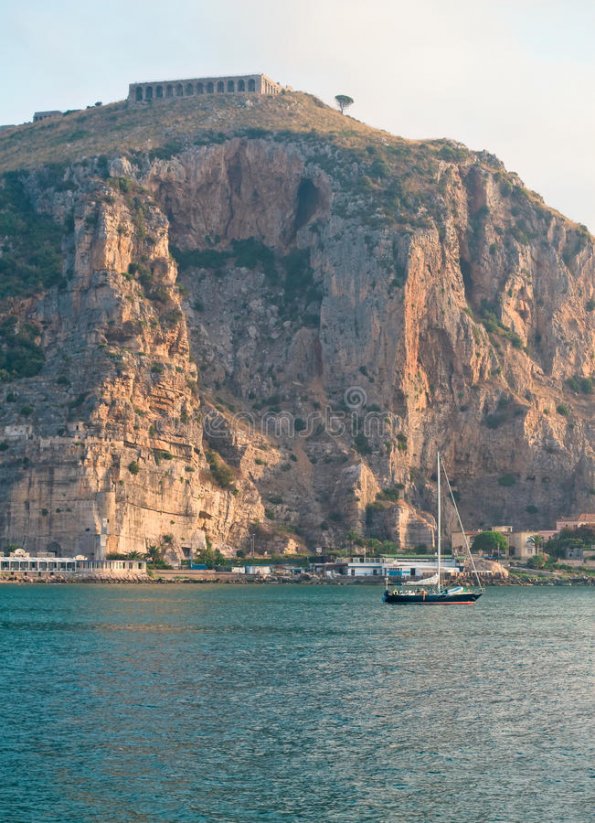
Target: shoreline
(242,580)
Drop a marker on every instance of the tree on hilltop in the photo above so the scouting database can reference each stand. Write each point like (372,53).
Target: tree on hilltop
(343,101)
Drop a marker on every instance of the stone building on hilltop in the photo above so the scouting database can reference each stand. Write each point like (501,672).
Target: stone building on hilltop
(169,89)
(45,115)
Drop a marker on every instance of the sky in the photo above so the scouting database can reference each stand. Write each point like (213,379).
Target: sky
(515,77)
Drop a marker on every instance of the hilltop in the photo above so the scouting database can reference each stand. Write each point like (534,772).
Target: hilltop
(165,125)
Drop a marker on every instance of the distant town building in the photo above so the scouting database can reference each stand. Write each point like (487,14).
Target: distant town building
(584,519)
(547,534)
(458,542)
(574,553)
(170,89)
(44,115)
(523,544)
(457,539)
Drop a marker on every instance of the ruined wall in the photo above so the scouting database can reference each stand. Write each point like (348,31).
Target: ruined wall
(170,89)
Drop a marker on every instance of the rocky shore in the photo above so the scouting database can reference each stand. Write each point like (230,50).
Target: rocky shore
(157,577)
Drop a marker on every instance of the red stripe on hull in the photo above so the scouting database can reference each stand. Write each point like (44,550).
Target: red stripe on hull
(447,603)
(440,602)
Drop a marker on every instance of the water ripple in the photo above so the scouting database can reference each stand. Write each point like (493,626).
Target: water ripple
(221,703)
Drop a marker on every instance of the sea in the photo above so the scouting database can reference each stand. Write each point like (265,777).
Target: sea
(190,703)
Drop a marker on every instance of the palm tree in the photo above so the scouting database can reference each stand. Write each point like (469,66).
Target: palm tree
(536,540)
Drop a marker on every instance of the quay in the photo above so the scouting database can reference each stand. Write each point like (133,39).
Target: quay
(26,567)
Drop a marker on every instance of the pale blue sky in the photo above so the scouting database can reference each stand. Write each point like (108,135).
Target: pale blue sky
(515,77)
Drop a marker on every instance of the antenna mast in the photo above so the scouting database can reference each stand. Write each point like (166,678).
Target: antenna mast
(439,524)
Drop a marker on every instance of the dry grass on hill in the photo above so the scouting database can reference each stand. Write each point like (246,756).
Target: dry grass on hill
(119,126)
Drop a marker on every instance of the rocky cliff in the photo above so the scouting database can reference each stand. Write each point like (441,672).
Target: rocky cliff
(261,317)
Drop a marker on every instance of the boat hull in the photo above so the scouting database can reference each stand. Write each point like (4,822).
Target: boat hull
(433,599)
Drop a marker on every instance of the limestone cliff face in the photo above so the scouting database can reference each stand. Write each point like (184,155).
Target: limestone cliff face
(274,335)
(103,451)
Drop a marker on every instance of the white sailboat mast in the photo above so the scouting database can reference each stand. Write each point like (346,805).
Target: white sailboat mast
(439,523)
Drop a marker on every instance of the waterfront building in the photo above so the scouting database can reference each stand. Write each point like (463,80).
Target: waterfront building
(21,564)
(259,571)
(111,567)
(402,567)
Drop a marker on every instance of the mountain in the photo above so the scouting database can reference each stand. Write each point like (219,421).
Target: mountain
(222,317)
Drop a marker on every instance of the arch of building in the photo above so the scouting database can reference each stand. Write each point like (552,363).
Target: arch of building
(253,84)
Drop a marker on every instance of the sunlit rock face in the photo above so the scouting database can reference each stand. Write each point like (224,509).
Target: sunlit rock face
(273,335)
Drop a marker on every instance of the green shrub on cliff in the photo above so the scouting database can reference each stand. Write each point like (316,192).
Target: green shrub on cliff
(298,274)
(391,492)
(20,356)
(361,443)
(31,258)
(221,472)
(402,442)
(252,254)
(580,384)
(200,259)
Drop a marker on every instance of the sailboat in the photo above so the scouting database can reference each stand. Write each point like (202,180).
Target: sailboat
(431,591)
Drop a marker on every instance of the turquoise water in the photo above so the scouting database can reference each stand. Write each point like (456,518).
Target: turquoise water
(263,703)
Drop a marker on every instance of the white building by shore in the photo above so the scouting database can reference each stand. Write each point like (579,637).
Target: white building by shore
(22,564)
(405,567)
